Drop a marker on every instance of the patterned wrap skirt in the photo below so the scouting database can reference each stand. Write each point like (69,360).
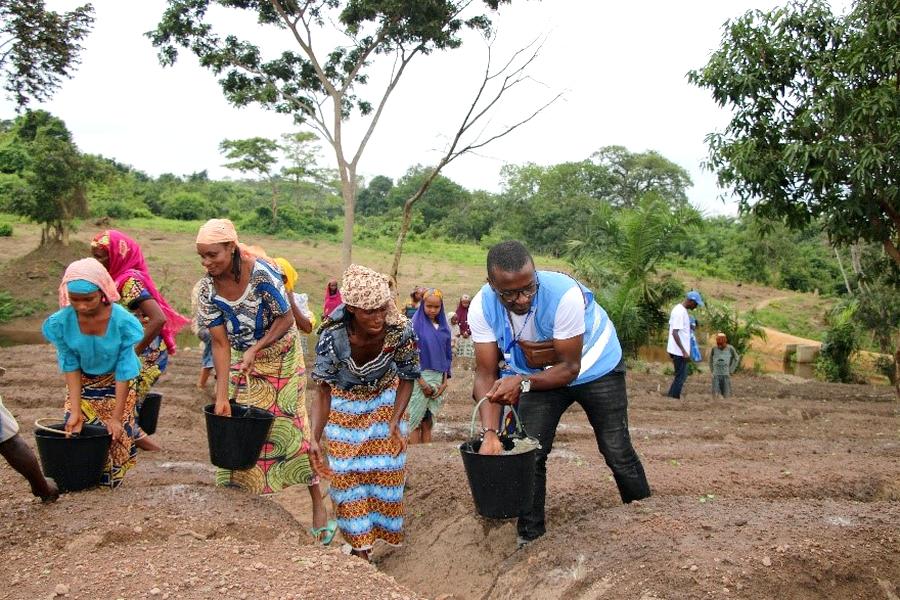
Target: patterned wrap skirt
(276,384)
(420,404)
(368,480)
(98,399)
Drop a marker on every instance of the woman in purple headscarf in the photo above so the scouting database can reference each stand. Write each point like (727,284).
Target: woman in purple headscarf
(435,356)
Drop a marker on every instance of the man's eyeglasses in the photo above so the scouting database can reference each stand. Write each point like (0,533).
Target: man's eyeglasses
(513,295)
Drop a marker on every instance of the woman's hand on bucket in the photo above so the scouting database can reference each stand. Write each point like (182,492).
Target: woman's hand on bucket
(248,360)
(490,444)
(222,408)
(116,430)
(74,422)
(317,460)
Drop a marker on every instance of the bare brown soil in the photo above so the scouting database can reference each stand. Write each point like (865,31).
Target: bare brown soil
(790,489)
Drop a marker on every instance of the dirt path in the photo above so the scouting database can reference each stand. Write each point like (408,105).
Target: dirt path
(787,490)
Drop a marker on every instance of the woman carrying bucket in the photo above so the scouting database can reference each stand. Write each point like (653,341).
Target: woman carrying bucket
(123,258)
(243,303)
(94,339)
(366,365)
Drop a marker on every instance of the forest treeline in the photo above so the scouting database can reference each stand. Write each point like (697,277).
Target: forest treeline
(621,218)
(561,210)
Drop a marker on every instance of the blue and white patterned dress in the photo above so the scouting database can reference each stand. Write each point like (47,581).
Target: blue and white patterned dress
(368,479)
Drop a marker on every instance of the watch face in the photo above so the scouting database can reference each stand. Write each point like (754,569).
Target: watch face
(525,386)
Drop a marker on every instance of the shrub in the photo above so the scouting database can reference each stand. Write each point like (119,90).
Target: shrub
(6,230)
(120,209)
(740,330)
(187,206)
(840,344)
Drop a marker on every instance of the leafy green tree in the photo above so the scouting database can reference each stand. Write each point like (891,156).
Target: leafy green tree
(54,172)
(815,127)
(630,175)
(257,156)
(39,47)
(314,83)
(373,199)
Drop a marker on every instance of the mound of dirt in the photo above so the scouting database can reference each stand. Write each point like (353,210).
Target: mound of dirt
(35,276)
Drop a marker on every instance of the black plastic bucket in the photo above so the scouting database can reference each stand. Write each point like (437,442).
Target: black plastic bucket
(76,462)
(502,485)
(148,415)
(235,442)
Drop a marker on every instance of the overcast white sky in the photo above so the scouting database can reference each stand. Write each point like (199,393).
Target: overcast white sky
(622,66)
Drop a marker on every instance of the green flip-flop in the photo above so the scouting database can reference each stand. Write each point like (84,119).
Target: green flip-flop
(329,529)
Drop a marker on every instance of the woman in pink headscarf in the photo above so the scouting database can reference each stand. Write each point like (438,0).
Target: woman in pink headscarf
(95,340)
(333,298)
(123,258)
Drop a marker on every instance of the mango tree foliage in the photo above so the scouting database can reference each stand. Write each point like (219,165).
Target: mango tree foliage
(39,47)
(52,174)
(319,83)
(633,174)
(255,156)
(815,127)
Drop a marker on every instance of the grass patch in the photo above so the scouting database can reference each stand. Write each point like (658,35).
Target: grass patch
(803,316)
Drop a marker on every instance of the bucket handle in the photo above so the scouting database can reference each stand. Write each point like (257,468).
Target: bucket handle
(519,429)
(39,425)
(237,389)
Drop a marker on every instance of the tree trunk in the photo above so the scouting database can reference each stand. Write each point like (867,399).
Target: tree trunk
(348,192)
(401,237)
(274,203)
(65,234)
(843,272)
(407,214)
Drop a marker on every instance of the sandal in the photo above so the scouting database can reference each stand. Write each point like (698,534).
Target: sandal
(326,532)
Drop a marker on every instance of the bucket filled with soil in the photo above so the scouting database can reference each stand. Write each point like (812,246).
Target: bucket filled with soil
(235,442)
(148,414)
(75,462)
(502,484)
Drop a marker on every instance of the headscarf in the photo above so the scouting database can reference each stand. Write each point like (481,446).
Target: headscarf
(289,272)
(127,260)
(332,301)
(367,289)
(217,231)
(435,353)
(93,271)
(462,316)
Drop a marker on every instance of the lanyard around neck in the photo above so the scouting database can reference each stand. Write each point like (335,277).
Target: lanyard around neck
(512,328)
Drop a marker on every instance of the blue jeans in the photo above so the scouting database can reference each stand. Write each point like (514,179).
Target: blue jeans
(680,363)
(605,402)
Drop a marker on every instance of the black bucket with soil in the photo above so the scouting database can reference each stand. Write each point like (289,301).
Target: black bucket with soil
(75,462)
(148,414)
(235,442)
(502,485)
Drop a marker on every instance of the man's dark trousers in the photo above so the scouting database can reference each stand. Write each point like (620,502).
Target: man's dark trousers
(681,372)
(605,402)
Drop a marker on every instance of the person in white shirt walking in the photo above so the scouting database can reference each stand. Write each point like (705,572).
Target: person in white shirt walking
(679,344)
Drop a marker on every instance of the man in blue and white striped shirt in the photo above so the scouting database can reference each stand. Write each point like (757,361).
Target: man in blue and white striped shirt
(521,304)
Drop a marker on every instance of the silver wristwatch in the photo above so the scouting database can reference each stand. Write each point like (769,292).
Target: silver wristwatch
(525,385)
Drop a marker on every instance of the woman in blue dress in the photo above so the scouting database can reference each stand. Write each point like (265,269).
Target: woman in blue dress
(94,339)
